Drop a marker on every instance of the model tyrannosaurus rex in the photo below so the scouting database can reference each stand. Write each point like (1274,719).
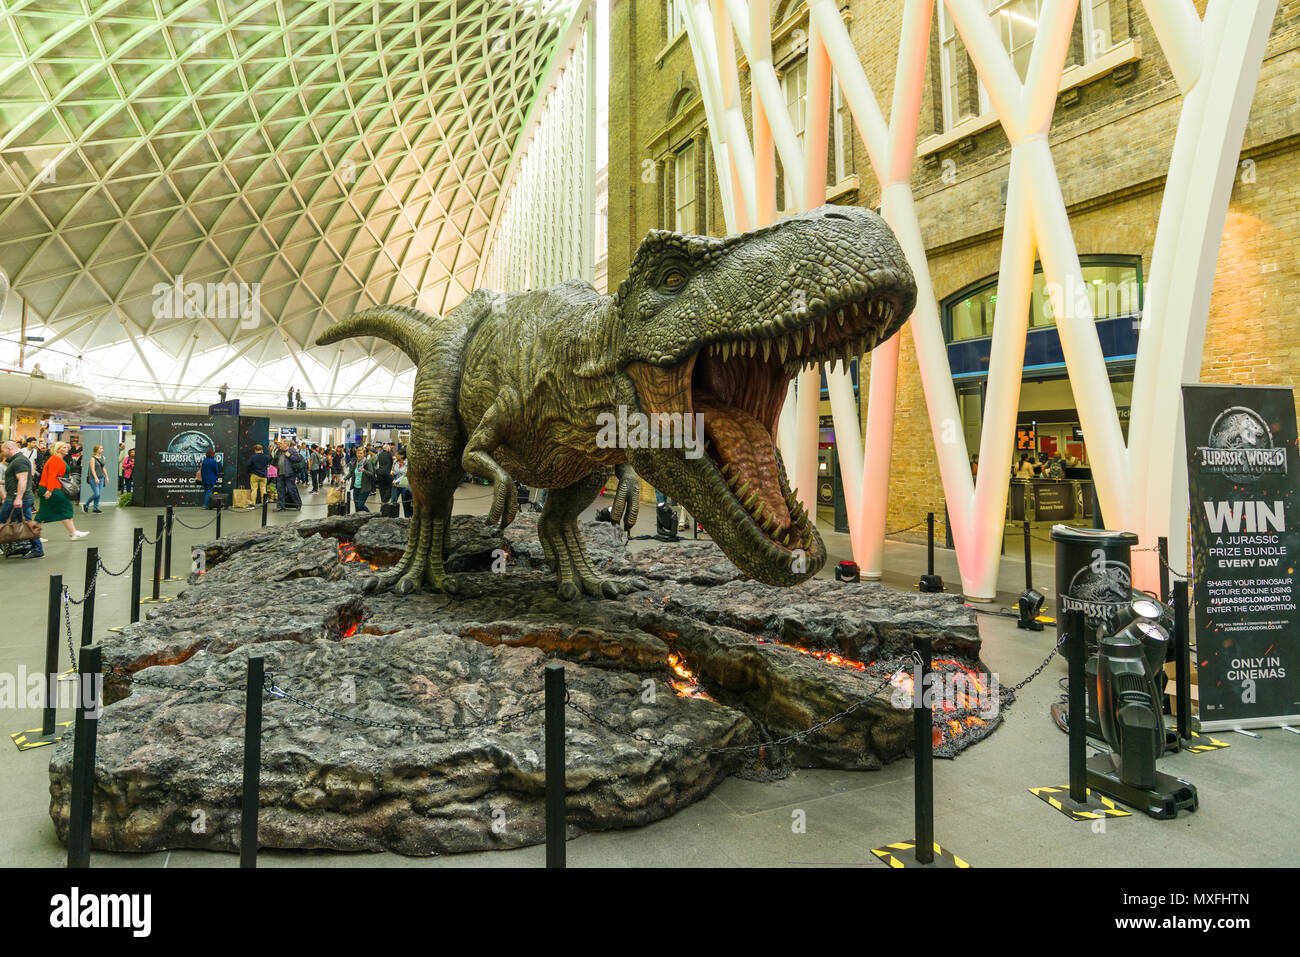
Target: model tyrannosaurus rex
(512,387)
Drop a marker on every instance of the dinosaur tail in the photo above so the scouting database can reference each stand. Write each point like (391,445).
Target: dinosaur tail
(404,326)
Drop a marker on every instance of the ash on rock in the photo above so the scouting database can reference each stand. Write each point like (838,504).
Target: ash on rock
(700,657)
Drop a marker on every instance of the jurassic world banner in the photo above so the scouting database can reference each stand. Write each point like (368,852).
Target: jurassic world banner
(174,447)
(1243,475)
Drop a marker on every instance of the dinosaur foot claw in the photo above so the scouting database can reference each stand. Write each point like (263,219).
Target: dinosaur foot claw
(597,587)
(444,584)
(405,585)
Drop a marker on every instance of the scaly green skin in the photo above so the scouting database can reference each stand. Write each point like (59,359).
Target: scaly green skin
(512,387)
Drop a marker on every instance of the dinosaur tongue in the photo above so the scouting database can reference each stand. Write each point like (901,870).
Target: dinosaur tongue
(742,441)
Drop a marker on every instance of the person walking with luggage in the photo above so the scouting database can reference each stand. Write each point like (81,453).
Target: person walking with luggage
(18,501)
(56,485)
(286,487)
(97,476)
(209,475)
(336,466)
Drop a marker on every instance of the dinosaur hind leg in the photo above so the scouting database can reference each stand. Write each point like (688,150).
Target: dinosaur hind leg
(562,542)
(387,579)
(434,568)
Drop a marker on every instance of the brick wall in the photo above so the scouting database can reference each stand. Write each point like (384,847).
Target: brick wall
(1111,140)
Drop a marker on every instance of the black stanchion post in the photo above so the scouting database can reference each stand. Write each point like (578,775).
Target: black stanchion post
(81,802)
(252,762)
(167,550)
(1182,661)
(218,518)
(88,608)
(1029,559)
(1076,647)
(555,778)
(137,571)
(53,611)
(157,557)
(923,752)
(264,503)
(930,582)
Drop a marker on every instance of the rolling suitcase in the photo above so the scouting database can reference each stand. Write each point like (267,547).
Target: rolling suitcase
(390,510)
(337,508)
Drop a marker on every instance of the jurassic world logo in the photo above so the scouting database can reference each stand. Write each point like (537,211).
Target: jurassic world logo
(188,450)
(1240,447)
(1099,590)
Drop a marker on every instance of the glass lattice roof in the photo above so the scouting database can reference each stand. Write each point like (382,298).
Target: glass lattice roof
(322,156)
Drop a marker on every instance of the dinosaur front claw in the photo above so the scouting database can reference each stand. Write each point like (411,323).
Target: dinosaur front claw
(627,500)
(505,504)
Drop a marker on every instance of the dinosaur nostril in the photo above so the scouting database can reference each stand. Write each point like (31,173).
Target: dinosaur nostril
(836,216)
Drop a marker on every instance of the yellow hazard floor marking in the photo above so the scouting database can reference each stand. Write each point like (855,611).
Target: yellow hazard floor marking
(26,743)
(150,601)
(1098,804)
(889,856)
(1205,744)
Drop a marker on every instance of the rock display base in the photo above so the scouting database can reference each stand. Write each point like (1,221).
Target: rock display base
(700,659)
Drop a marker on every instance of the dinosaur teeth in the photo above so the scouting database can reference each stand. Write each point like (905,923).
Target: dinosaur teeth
(740,492)
(749,502)
(783,347)
(767,349)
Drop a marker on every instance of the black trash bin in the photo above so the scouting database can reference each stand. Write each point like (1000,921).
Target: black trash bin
(1093,576)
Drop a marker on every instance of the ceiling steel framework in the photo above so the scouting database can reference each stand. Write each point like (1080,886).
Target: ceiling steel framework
(313,156)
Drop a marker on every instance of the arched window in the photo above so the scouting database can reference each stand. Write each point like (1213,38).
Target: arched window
(1112,285)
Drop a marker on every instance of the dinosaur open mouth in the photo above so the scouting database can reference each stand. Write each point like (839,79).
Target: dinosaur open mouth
(739,385)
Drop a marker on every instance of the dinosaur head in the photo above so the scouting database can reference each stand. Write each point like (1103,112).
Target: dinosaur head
(720,327)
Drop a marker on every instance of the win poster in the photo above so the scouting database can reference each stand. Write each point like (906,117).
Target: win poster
(1243,474)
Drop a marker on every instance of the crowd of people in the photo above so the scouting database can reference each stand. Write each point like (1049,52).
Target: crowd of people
(44,480)
(360,471)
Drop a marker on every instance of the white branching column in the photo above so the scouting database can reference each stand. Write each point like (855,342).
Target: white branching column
(1216,65)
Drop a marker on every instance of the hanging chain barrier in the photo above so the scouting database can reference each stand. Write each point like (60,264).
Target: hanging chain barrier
(194,528)
(1181,576)
(129,565)
(1039,670)
(938,523)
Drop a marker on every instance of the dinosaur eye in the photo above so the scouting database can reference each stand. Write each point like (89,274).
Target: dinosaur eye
(673,280)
